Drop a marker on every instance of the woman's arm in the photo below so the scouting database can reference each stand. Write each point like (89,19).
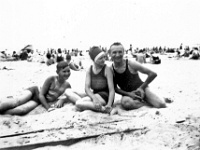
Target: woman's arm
(109,76)
(88,85)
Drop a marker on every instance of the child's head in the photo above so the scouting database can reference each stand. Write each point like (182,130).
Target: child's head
(95,53)
(63,69)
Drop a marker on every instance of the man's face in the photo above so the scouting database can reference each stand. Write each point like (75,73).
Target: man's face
(117,53)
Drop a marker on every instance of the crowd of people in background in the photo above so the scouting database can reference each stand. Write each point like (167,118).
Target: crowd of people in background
(52,56)
(102,80)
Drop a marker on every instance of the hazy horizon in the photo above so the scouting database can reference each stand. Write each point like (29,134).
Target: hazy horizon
(84,23)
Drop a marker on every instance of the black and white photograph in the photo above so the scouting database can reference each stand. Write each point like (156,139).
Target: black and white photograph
(99,74)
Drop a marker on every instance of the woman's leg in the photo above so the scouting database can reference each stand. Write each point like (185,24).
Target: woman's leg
(153,99)
(23,109)
(12,102)
(87,104)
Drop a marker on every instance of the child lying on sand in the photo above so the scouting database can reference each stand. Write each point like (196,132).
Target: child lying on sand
(52,89)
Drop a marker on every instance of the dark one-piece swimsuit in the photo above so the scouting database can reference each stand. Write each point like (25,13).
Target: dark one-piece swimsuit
(99,83)
(126,80)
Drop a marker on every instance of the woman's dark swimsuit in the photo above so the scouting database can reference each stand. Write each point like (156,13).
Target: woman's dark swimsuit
(126,80)
(99,83)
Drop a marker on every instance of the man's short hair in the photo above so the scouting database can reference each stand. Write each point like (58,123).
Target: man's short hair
(116,44)
(61,65)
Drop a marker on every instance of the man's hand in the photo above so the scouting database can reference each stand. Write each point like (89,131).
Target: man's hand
(133,95)
(140,92)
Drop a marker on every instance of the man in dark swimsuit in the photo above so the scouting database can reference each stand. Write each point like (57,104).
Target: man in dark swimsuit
(128,83)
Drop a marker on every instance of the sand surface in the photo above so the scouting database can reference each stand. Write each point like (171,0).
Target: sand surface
(175,127)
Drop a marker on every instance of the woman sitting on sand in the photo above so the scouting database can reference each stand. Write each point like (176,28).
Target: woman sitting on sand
(52,89)
(98,84)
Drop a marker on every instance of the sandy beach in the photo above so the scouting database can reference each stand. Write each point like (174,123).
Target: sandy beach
(174,127)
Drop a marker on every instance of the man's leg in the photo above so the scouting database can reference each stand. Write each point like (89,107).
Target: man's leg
(128,103)
(153,99)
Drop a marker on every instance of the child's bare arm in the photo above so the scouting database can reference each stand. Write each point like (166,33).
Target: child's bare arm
(43,92)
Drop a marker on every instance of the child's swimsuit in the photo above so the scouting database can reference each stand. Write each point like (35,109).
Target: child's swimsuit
(126,80)
(99,83)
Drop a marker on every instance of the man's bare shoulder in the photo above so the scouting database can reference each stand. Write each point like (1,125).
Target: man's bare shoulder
(132,62)
(134,65)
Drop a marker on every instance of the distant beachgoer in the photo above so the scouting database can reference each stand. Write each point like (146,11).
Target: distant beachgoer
(154,59)
(135,93)
(141,57)
(15,56)
(59,56)
(98,84)
(52,89)
(49,60)
(195,54)
(72,64)
(30,56)
(186,53)
(3,54)
(23,55)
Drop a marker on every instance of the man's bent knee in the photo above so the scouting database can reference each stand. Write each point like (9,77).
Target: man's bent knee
(160,105)
(129,104)
(163,105)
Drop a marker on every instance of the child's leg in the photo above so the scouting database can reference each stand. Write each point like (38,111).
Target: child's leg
(23,109)
(154,99)
(72,96)
(13,102)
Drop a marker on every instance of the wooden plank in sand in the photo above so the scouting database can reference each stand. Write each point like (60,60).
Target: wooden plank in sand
(33,124)
(67,136)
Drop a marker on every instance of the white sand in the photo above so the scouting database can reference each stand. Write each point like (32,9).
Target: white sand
(177,79)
